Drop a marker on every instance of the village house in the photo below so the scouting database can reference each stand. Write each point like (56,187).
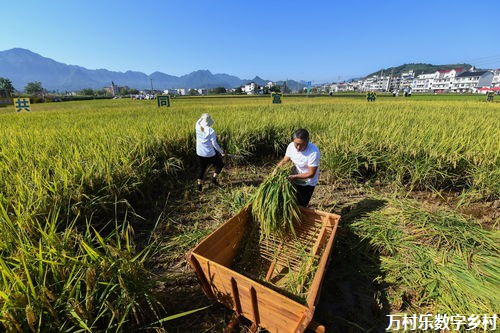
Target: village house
(270,84)
(496,79)
(342,87)
(404,81)
(472,80)
(376,83)
(249,88)
(445,78)
(453,80)
(424,82)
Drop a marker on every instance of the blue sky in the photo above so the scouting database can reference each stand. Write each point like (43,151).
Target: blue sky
(306,40)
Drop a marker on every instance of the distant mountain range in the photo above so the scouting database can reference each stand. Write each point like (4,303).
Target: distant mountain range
(22,66)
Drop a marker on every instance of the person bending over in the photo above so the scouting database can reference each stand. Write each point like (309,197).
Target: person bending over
(305,157)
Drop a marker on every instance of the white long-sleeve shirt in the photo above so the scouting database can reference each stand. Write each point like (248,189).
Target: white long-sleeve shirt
(206,141)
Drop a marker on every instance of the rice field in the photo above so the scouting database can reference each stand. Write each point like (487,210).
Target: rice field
(69,173)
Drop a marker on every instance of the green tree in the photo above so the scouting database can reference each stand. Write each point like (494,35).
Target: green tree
(219,90)
(87,92)
(33,88)
(134,91)
(101,92)
(124,91)
(6,84)
(275,89)
(238,91)
(193,92)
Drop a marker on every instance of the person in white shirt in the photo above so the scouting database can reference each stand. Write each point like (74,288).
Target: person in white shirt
(208,150)
(305,157)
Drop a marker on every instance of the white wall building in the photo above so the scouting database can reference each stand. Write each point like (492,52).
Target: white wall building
(496,78)
(470,81)
(454,80)
(445,79)
(341,87)
(250,88)
(424,82)
(270,84)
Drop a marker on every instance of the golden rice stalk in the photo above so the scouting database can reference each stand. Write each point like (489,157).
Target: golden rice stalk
(274,205)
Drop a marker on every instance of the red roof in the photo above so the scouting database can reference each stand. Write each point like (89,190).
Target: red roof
(489,89)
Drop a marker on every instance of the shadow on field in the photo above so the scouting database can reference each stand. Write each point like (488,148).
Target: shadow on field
(351,300)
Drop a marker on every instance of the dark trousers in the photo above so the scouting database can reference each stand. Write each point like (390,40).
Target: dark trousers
(204,162)
(304,194)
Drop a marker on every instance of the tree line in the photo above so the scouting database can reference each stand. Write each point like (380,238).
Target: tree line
(36,89)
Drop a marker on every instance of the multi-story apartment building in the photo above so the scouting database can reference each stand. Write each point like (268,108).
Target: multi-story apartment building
(423,82)
(454,80)
(376,83)
(472,80)
(444,80)
(496,79)
(406,80)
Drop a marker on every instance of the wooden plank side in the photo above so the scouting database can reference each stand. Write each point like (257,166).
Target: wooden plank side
(313,296)
(222,244)
(276,312)
(330,221)
(205,285)
(314,214)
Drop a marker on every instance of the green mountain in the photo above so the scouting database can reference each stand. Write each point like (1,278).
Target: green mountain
(417,69)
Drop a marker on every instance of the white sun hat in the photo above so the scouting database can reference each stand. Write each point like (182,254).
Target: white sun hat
(206,120)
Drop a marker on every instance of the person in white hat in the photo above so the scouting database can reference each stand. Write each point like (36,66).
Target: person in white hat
(208,150)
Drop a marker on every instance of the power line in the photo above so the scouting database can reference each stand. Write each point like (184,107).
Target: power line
(485,57)
(486,60)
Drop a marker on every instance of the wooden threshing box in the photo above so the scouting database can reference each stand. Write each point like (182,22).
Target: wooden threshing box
(260,301)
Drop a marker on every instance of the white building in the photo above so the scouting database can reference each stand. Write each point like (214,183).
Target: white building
(454,80)
(250,88)
(444,80)
(472,80)
(376,83)
(496,78)
(170,92)
(342,87)
(424,82)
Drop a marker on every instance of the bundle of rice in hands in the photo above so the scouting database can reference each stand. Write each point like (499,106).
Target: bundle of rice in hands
(274,205)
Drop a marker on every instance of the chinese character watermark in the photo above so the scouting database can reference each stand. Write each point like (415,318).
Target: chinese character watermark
(438,322)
